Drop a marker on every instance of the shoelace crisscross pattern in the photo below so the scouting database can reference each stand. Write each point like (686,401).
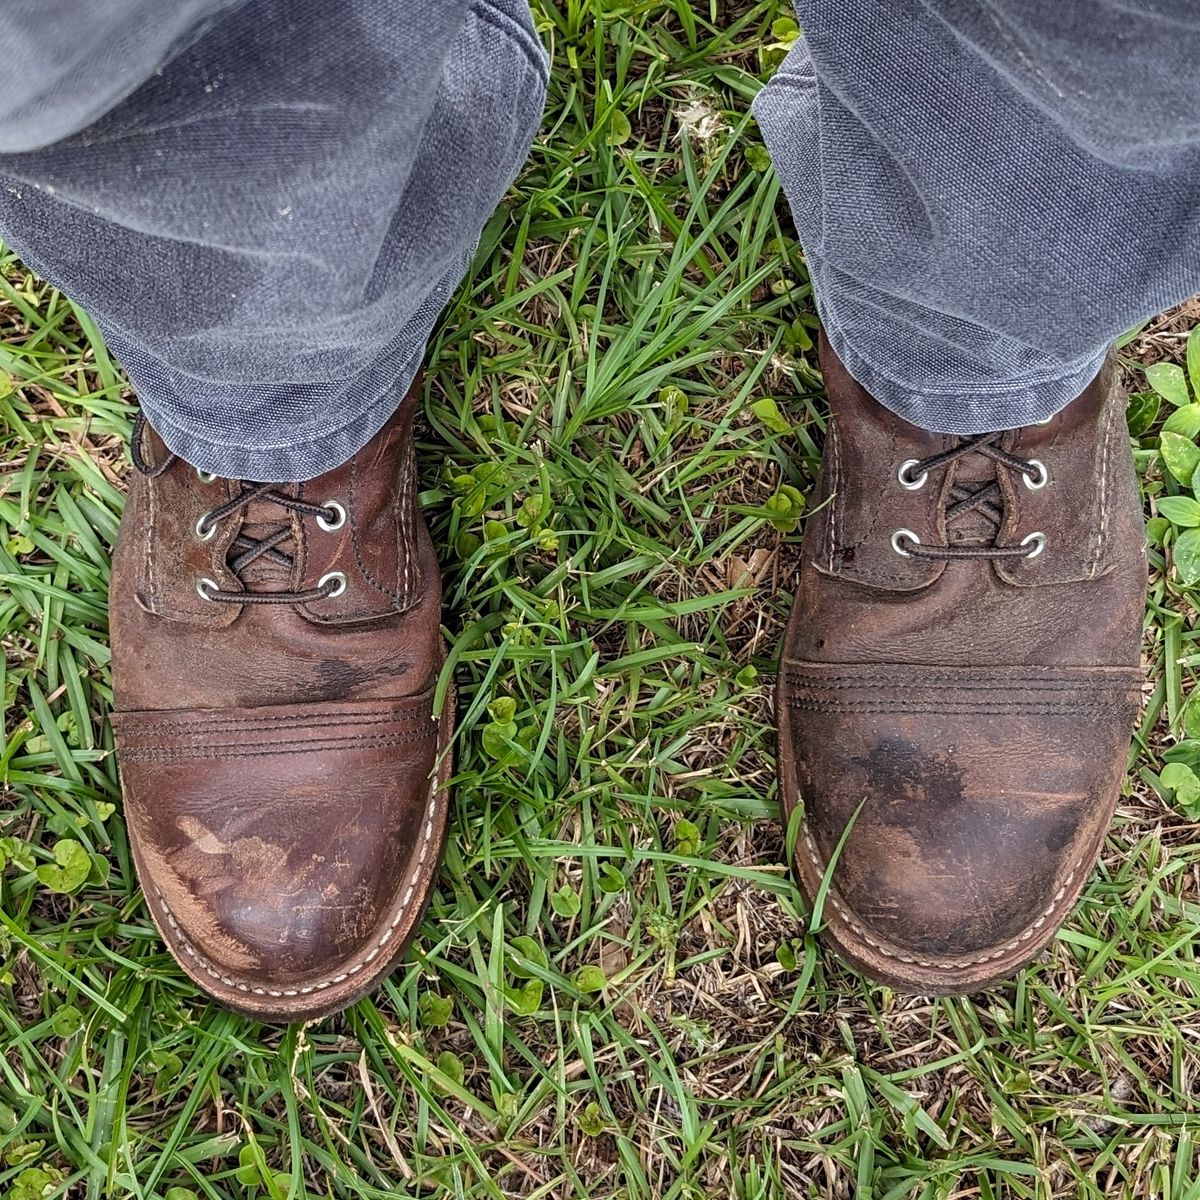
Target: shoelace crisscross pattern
(984,498)
(245,549)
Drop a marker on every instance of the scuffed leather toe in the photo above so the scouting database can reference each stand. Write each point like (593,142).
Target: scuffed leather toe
(952,870)
(291,872)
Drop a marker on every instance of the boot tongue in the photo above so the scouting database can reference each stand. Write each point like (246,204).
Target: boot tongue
(974,472)
(262,519)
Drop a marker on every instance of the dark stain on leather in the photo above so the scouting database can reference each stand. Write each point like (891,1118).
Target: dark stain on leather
(900,771)
(339,679)
(1058,835)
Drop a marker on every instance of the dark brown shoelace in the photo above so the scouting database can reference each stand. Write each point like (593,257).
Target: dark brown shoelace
(984,498)
(244,549)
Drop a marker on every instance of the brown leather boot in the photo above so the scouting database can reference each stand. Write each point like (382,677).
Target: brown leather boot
(275,651)
(960,671)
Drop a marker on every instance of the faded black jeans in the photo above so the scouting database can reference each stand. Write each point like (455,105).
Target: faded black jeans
(264,204)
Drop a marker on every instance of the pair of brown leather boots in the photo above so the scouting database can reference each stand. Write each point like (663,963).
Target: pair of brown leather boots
(956,690)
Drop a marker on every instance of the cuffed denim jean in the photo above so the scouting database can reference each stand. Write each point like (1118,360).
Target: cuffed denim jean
(264,204)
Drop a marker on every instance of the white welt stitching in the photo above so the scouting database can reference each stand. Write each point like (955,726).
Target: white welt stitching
(148,549)
(834,530)
(1102,532)
(844,913)
(242,986)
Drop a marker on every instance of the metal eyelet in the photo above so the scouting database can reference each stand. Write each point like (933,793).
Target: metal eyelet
(906,480)
(336,577)
(1039,540)
(204,586)
(904,533)
(205,476)
(1039,481)
(204,531)
(338,520)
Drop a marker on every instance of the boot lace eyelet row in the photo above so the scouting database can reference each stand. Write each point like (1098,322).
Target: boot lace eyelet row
(246,549)
(985,499)
(329,587)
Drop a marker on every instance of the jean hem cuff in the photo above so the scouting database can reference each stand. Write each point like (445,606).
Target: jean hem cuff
(294,462)
(977,408)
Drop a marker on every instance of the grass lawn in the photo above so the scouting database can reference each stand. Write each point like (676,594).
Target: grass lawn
(615,993)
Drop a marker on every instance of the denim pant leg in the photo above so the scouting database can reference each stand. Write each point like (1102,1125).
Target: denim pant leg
(267,228)
(988,194)
(67,62)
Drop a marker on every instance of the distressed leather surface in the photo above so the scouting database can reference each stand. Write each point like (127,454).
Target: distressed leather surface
(975,714)
(278,761)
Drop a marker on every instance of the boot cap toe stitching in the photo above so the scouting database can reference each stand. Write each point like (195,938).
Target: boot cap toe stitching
(323,745)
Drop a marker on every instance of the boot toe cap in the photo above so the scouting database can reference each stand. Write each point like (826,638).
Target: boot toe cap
(960,827)
(286,927)
(912,913)
(286,882)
